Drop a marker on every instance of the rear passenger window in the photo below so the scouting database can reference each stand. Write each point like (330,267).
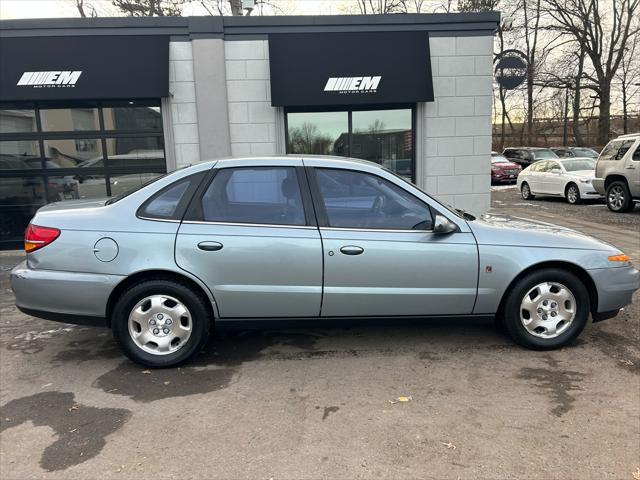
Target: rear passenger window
(171,200)
(262,195)
(611,151)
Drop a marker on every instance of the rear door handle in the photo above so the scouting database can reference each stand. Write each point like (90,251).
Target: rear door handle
(210,246)
(352,250)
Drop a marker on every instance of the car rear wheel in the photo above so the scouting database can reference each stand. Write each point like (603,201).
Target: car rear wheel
(525,191)
(619,197)
(573,194)
(160,323)
(546,309)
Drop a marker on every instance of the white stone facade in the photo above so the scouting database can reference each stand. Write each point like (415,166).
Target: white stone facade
(184,111)
(453,133)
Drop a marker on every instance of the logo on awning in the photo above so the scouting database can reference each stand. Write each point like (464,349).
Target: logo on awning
(352,84)
(56,78)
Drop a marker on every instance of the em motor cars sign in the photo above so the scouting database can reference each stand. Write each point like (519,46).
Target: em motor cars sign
(511,69)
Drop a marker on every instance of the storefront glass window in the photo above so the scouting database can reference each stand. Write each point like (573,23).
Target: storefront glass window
(49,153)
(17,121)
(318,133)
(69,119)
(381,136)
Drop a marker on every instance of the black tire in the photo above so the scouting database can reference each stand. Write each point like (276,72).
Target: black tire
(195,304)
(512,309)
(572,194)
(618,197)
(525,191)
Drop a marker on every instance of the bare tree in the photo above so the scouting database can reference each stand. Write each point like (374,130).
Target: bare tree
(150,8)
(602,31)
(379,7)
(83,8)
(629,77)
(477,5)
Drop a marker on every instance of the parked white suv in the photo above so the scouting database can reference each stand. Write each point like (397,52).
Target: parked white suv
(618,173)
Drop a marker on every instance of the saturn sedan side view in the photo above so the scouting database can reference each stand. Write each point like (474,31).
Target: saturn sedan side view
(301,238)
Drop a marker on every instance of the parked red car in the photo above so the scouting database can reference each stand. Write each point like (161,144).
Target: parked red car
(502,169)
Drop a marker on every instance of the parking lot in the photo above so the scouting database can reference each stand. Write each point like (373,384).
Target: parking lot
(321,402)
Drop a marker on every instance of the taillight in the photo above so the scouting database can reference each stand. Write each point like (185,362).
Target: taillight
(37,237)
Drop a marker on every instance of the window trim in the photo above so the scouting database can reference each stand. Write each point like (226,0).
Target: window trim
(194,215)
(321,211)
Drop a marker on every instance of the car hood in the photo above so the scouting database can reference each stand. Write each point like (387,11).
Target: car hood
(507,230)
(582,174)
(505,165)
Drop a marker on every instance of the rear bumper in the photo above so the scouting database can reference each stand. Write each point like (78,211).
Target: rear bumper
(68,297)
(598,185)
(615,289)
(587,191)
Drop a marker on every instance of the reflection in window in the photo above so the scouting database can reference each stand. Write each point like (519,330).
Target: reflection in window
(361,200)
(132,118)
(20,197)
(145,152)
(71,153)
(124,183)
(62,187)
(254,195)
(69,119)
(19,154)
(90,186)
(17,121)
(384,137)
(321,133)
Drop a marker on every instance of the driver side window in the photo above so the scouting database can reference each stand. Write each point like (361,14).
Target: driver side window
(361,200)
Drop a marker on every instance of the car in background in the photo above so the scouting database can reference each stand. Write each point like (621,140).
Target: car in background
(569,178)
(569,152)
(304,238)
(502,169)
(525,156)
(618,173)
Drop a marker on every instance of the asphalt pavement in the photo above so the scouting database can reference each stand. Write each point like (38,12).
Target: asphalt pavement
(325,402)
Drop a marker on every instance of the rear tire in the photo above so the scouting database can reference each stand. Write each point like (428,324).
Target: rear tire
(618,197)
(572,194)
(525,191)
(546,309)
(160,323)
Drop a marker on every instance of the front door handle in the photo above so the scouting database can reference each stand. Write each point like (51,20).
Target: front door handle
(352,250)
(210,246)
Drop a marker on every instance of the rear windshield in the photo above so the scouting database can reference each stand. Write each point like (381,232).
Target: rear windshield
(538,154)
(120,196)
(576,164)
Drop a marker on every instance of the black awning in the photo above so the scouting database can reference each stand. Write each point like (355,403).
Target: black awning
(311,69)
(91,67)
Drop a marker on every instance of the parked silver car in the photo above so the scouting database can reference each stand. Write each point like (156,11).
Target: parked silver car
(618,173)
(302,238)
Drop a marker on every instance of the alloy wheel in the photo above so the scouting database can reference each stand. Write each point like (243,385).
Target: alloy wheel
(572,194)
(616,197)
(548,310)
(160,324)
(526,191)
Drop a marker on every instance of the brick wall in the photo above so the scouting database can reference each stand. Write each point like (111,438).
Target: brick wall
(184,115)
(252,119)
(456,139)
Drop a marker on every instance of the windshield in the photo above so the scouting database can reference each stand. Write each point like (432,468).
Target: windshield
(576,164)
(499,159)
(539,154)
(585,152)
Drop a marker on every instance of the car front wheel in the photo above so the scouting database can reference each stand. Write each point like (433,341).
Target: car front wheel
(619,197)
(160,323)
(546,309)
(573,194)
(525,191)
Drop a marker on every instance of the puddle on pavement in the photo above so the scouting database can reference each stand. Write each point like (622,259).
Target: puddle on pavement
(556,383)
(80,429)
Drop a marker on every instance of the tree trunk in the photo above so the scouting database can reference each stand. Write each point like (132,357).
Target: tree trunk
(604,118)
(577,134)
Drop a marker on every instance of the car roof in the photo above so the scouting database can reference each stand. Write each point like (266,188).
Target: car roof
(628,135)
(527,148)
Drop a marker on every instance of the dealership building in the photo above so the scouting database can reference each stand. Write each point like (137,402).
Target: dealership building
(92,107)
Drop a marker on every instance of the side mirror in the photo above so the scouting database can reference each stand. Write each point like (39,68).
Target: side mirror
(557,171)
(442,224)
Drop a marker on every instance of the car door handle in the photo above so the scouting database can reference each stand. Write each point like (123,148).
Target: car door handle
(210,246)
(631,167)
(352,250)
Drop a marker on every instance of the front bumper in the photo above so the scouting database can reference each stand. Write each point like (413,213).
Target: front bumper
(68,297)
(598,185)
(615,288)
